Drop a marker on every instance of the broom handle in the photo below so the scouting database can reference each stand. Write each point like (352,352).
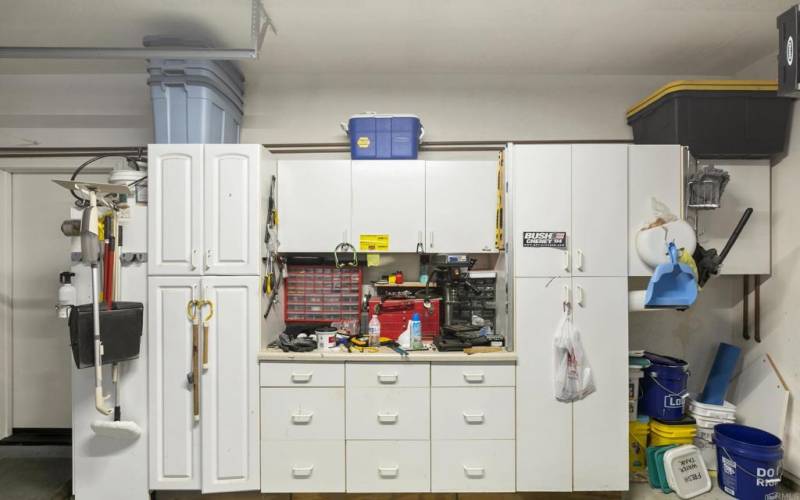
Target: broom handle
(735,235)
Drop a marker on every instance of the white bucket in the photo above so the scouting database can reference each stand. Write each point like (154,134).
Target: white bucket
(725,412)
(708,450)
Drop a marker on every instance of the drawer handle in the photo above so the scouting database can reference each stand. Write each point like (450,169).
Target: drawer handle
(389,471)
(473,378)
(302,418)
(387,378)
(302,471)
(474,471)
(387,418)
(301,378)
(474,418)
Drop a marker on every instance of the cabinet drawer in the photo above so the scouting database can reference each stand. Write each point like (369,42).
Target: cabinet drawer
(472,375)
(472,413)
(290,413)
(466,466)
(388,375)
(280,374)
(302,466)
(388,466)
(402,413)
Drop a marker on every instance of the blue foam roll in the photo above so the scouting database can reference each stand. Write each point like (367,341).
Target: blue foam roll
(720,375)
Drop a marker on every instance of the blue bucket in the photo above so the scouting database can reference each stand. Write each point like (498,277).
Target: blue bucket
(748,462)
(664,388)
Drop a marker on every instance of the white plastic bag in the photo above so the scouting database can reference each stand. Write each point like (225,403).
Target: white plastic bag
(573,375)
(661,215)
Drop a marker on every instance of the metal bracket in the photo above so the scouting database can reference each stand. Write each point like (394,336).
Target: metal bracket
(260,23)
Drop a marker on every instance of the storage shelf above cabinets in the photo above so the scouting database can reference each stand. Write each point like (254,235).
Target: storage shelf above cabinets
(407,206)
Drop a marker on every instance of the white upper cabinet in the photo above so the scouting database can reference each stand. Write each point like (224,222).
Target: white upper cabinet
(460,206)
(749,187)
(654,171)
(175,215)
(389,199)
(233,238)
(599,210)
(207,208)
(314,199)
(542,189)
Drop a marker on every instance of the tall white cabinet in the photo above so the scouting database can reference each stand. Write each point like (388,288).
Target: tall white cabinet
(205,238)
(577,190)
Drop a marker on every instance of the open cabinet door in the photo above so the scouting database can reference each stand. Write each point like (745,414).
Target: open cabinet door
(229,384)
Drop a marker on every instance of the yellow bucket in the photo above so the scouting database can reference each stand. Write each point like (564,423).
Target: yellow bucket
(637,446)
(662,434)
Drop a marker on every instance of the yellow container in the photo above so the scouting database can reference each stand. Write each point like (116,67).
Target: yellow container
(637,446)
(662,434)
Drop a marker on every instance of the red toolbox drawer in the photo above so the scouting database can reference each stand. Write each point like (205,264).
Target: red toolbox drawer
(394,315)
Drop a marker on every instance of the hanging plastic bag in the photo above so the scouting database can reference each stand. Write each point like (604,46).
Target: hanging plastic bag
(573,375)
(661,214)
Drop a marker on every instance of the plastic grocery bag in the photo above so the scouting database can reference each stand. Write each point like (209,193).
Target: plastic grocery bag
(573,375)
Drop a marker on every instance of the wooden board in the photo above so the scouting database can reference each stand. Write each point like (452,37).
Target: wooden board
(761,396)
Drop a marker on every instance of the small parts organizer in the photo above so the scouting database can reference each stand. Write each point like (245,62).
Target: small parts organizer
(322,294)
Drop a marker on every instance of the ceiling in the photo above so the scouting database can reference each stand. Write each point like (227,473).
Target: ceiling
(664,37)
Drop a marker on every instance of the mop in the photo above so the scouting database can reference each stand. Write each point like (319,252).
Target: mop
(90,252)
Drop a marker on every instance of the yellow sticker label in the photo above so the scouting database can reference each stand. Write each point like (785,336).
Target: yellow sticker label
(373,259)
(363,142)
(373,242)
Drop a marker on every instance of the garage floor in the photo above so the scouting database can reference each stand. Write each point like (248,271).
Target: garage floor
(35,472)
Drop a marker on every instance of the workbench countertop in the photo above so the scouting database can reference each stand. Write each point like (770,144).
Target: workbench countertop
(386,354)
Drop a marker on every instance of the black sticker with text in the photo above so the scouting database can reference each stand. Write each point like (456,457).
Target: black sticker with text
(544,239)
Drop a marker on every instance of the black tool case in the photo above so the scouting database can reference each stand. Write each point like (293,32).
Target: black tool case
(716,119)
(120,332)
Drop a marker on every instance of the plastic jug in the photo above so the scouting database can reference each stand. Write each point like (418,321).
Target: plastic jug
(374,339)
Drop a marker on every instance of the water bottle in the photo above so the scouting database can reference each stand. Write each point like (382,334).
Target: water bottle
(416,332)
(374,339)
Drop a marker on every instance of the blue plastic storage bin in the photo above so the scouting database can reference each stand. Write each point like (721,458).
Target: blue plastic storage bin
(384,137)
(193,111)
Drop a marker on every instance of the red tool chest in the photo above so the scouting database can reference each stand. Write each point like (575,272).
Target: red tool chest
(394,315)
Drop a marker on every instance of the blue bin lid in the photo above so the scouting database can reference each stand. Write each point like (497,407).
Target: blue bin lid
(370,114)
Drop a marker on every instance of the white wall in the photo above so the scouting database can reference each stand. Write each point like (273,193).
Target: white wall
(780,293)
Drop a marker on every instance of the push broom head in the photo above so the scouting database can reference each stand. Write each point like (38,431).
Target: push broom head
(119,429)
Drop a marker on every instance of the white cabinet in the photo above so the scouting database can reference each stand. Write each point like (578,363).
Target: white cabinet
(749,187)
(302,466)
(207,208)
(389,199)
(599,204)
(388,466)
(544,433)
(175,221)
(600,421)
(314,205)
(579,190)
(542,192)
(219,451)
(654,171)
(472,413)
(473,466)
(460,206)
(395,413)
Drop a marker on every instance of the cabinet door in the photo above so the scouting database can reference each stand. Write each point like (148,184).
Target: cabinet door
(544,430)
(232,214)
(175,215)
(174,435)
(542,187)
(460,206)
(601,419)
(749,186)
(313,205)
(230,385)
(600,209)
(654,171)
(389,199)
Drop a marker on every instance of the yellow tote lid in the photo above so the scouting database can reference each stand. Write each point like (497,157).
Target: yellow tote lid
(706,85)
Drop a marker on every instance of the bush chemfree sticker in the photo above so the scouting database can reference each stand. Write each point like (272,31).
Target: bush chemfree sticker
(544,239)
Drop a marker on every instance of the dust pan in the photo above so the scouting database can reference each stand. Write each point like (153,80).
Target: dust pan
(672,286)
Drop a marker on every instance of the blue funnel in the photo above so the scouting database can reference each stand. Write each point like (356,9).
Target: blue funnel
(672,286)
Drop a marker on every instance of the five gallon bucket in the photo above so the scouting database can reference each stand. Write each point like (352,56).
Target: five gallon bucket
(748,461)
(664,388)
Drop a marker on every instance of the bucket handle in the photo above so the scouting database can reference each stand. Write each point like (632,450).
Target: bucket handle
(682,395)
(770,482)
(344,127)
